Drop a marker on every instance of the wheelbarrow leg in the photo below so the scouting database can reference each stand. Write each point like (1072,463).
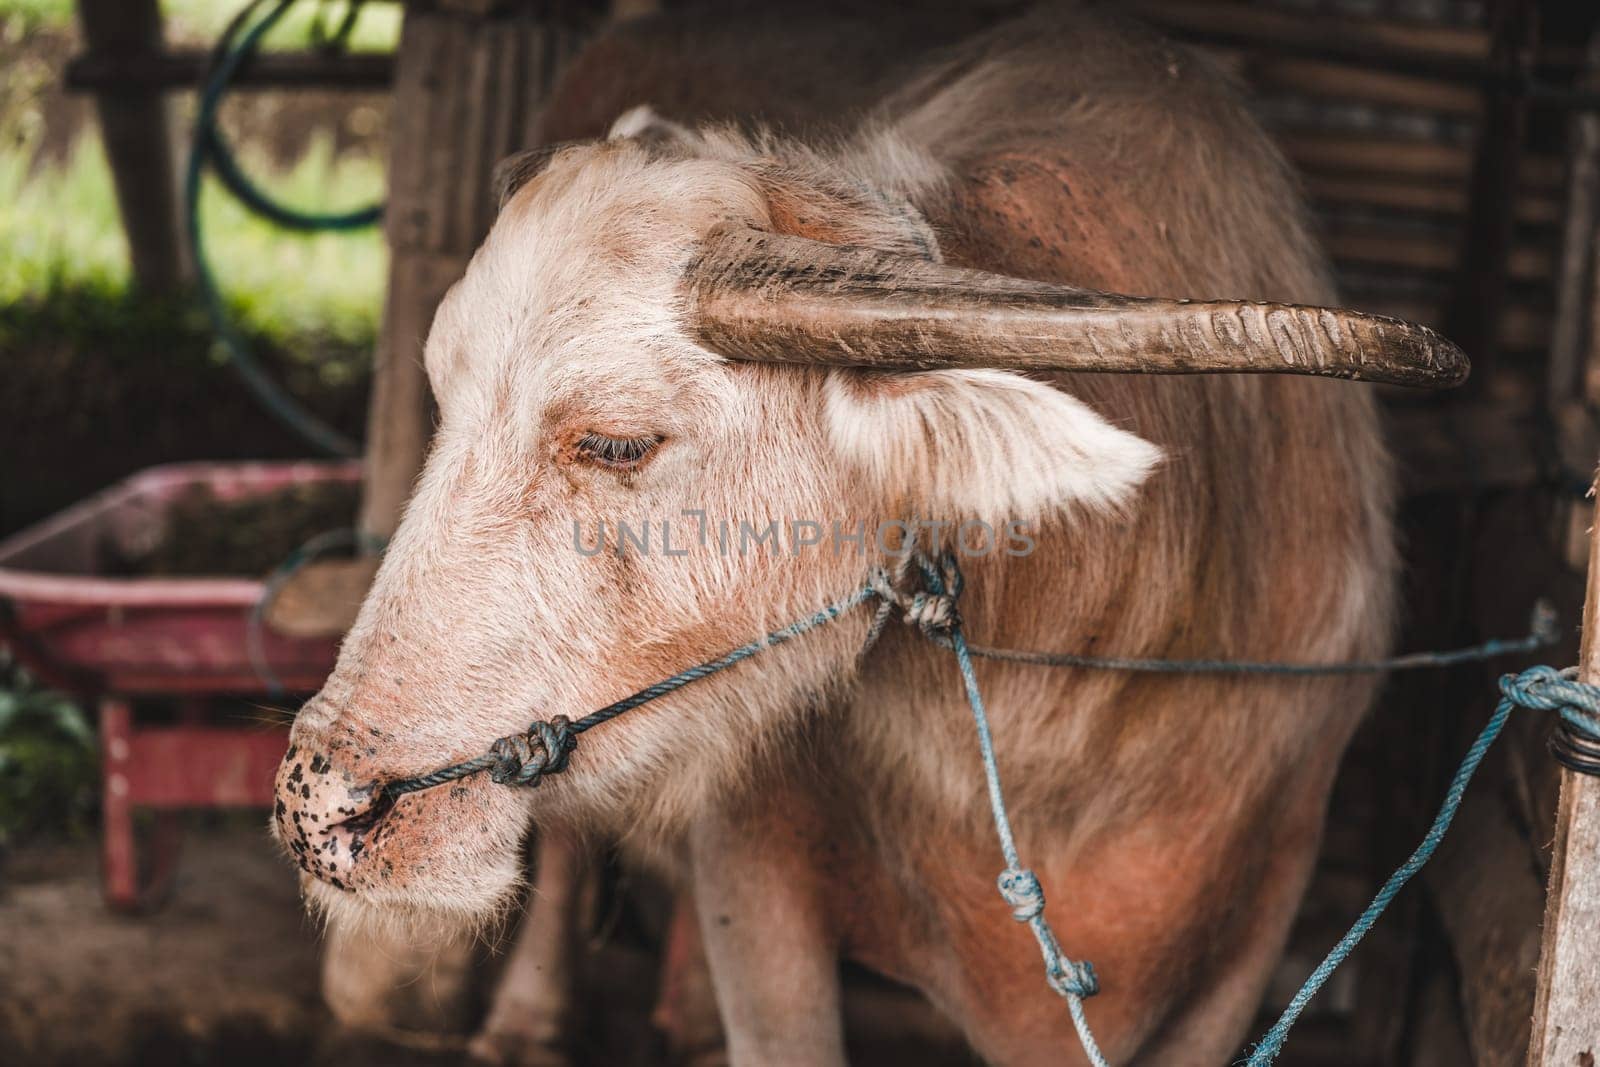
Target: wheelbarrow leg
(119,863)
(126,888)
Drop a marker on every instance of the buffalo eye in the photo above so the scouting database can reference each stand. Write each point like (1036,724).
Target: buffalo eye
(617,453)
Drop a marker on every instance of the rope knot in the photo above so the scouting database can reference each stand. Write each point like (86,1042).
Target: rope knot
(1576,740)
(1073,978)
(932,613)
(1547,689)
(1070,978)
(541,749)
(1539,688)
(932,607)
(1021,889)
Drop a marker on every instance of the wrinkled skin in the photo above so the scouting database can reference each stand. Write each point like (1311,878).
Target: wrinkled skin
(829,804)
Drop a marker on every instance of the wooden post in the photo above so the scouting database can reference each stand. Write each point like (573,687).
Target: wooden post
(469,80)
(180,69)
(1572,379)
(1566,1010)
(133,126)
(1572,332)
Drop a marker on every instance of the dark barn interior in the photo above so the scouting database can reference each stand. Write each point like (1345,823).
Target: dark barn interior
(1450,150)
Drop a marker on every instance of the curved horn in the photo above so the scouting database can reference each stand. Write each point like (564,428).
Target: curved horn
(773,298)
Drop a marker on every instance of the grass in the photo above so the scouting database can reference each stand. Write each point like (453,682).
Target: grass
(60,225)
(286,284)
(61,221)
(197,21)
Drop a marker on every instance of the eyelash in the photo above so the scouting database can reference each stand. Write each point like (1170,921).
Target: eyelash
(618,453)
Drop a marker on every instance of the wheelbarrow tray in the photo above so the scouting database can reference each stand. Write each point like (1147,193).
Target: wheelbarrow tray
(78,627)
(111,638)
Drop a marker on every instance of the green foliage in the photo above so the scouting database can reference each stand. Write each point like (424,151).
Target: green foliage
(151,368)
(47,760)
(26,16)
(59,222)
(59,226)
(60,229)
(100,379)
(376,30)
(284,284)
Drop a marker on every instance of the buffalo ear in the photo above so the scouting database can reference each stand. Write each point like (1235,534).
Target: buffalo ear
(656,134)
(515,171)
(643,125)
(982,444)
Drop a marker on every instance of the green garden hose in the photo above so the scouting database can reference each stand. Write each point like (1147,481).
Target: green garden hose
(238,42)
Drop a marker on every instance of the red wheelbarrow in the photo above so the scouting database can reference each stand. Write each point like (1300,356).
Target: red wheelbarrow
(112,639)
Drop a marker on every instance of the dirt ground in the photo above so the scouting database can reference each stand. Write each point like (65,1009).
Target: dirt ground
(226,973)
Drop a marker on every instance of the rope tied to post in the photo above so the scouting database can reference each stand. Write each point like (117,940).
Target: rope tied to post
(1547,689)
(929,602)
(1537,689)
(1576,741)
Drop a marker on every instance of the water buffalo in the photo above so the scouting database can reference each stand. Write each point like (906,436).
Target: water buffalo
(682,329)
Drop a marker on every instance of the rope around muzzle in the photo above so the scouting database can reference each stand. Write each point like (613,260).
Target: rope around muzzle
(524,758)
(931,607)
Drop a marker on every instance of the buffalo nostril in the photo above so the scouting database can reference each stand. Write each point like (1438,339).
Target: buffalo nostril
(366,819)
(328,825)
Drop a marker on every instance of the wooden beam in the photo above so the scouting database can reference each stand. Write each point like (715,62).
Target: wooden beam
(1426,253)
(1465,448)
(1460,54)
(1324,80)
(182,69)
(398,421)
(1369,154)
(1573,331)
(1408,193)
(1575,326)
(133,127)
(1566,1010)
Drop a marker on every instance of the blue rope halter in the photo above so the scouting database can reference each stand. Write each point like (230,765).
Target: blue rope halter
(546,746)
